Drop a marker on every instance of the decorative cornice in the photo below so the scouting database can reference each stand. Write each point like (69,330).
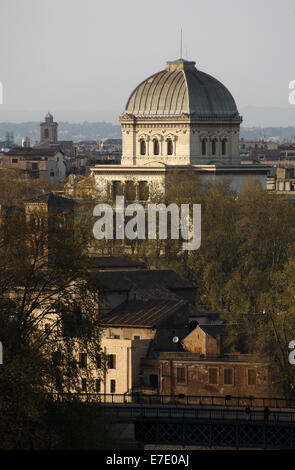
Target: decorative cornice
(180,117)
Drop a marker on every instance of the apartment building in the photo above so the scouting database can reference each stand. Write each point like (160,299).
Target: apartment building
(46,164)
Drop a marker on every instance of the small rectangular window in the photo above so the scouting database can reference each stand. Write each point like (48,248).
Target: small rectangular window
(213,376)
(117,189)
(154,381)
(136,337)
(130,191)
(251,377)
(180,375)
(113,386)
(14,160)
(228,376)
(112,361)
(143,190)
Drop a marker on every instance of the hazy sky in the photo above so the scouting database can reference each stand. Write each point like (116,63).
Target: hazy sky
(80,59)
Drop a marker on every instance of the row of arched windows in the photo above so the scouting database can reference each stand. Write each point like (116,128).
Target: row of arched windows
(130,190)
(205,142)
(156,147)
(213,146)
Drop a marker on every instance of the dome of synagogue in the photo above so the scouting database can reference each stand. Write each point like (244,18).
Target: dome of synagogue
(182,89)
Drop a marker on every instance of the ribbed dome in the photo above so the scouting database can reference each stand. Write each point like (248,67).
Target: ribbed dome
(181,88)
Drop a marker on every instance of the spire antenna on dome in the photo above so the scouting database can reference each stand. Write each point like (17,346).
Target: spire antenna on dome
(181,43)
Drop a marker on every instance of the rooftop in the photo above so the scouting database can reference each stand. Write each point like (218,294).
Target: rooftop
(213,330)
(50,198)
(182,89)
(144,279)
(32,152)
(142,314)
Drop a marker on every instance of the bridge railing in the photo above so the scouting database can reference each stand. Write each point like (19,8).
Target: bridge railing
(205,414)
(176,400)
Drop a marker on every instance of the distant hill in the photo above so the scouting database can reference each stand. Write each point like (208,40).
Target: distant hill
(255,133)
(106,130)
(66,130)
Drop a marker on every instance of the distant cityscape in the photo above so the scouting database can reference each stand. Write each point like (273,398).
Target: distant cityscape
(69,131)
(171,325)
(106,130)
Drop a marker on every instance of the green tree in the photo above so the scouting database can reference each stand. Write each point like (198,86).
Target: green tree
(16,187)
(44,282)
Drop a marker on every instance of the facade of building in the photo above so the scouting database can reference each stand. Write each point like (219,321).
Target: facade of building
(183,119)
(282,180)
(157,342)
(186,374)
(111,145)
(205,340)
(247,145)
(51,208)
(131,329)
(156,349)
(26,142)
(44,163)
(276,154)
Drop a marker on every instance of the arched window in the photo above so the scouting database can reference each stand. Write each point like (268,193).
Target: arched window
(46,133)
(169,147)
(214,147)
(223,147)
(204,146)
(156,147)
(142,147)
